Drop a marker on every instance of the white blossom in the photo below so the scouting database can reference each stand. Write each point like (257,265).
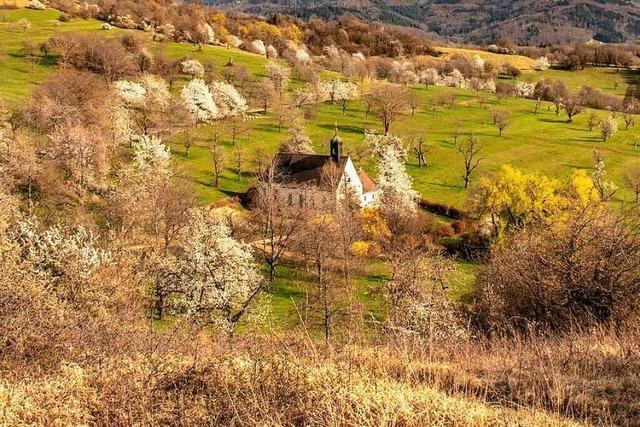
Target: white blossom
(542,64)
(131,93)
(429,76)
(218,273)
(524,89)
(36,5)
(58,254)
(211,35)
(393,180)
(271,52)
(228,99)
(455,79)
(157,90)
(199,101)
(257,46)
(478,63)
(167,30)
(193,67)
(150,153)
(235,41)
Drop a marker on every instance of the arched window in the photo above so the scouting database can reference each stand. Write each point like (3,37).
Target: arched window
(290,199)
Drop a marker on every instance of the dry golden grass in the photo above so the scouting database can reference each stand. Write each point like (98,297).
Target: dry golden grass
(290,381)
(522,62)
(17,3)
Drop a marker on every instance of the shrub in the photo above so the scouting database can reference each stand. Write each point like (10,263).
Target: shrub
(441,209)
(552,276)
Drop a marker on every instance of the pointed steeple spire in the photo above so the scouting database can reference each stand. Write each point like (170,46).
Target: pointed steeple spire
(336,145)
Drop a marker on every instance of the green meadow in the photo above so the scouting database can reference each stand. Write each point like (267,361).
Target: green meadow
(543,143)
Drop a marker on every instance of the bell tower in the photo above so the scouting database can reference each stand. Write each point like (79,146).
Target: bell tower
(335,147)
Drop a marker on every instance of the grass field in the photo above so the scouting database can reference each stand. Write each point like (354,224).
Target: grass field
(529,144)
(611,80)
(522,62)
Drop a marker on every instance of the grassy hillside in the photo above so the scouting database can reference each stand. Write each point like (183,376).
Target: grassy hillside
(18,75)
(542,143)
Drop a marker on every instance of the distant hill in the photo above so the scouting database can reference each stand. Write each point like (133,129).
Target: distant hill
(476,21)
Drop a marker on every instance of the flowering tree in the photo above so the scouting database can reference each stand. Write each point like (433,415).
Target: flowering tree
(145,101)
(218,276)
(150,154)
(606,188)
(298,141)
(193,68)
(157,91)
(542,64)
(428,77)
(455,79)
(272,52)
(279,75)
(228,99)
(131,93)
(257,46)
(341,92)
(524,89)
(65,258)
(608,127)
(394,181)
(478,63)
(199,101)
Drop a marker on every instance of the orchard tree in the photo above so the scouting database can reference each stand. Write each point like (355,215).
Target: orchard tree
(193,68)
(229,101)
(606,188)
(502,120)
(218,158)
(218,277)
(632,180)
(199,101)
(342,92)
(593,120)
(390,103)
(608,128)
(279,75)
(470,149)
(393,180)
(629,120)
(298,142)
(420,149)
(572,107)
(428,77)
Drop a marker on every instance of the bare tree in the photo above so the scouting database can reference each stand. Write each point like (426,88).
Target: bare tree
(413,101)
(276,225)
(187,140)
(632,180)
(389,103)
(420,149)
(572,106)
(502,120)
(456,132)
(218,157)
(469,149)
(239,160)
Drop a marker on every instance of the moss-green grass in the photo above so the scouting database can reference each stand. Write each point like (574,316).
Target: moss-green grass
(544,143)
(608,79)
